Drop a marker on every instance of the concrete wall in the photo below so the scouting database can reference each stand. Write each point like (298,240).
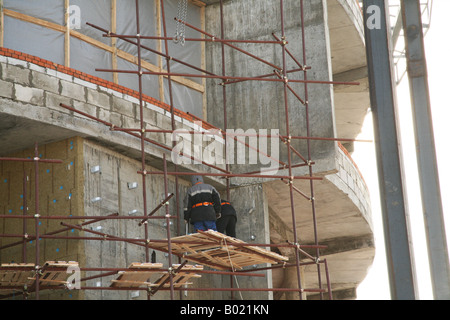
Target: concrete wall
(110,184)
(259,104)
(106,192)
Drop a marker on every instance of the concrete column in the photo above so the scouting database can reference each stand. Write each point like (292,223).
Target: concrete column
(259,104)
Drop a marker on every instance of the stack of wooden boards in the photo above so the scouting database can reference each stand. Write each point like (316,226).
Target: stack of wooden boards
(149,275)
(214,249)
(15,277)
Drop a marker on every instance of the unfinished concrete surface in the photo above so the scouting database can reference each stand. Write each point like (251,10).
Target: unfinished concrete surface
(32,91)
(348,58)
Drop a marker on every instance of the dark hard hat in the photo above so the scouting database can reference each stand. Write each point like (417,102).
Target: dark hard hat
(196,179)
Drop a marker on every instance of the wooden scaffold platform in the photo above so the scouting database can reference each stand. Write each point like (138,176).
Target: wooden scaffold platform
(14,277)
(219,251)
(151,275)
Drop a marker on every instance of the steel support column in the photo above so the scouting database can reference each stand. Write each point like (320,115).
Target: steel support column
(390,170)
(426,150)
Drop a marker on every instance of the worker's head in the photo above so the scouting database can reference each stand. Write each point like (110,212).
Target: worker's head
(196,179)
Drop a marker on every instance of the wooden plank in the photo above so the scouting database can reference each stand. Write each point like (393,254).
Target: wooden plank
(159,48)
(146,265)
(203,62)
(67,34)
(130,283)
(39,22)
(60,264)
(48,281)
(198,3)
(2,24)
(114,40)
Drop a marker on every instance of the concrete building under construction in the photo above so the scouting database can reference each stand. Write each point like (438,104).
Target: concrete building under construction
(107,108)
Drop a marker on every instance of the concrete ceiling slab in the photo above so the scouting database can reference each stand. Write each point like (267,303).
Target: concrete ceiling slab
(17,133)
(348,58)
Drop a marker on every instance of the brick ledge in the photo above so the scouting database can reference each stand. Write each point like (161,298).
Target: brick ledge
(97,81)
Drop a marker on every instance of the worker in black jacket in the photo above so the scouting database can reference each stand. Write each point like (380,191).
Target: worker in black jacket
(227,222)
(202,205)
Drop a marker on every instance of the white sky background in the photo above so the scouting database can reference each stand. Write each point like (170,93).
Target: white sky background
(376,284)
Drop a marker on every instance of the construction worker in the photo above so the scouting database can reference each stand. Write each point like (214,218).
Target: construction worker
(227,222)
(202,205)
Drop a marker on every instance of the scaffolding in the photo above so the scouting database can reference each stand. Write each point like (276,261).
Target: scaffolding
(398,42)
(173,279)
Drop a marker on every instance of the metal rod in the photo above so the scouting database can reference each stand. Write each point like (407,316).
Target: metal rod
(36,215)
(152,50)
(273,74)
(303,67)
(107,237)
(277,169)
(196,289)
(24,222)
(236,175)
(115,270)
(224,96)
(330,292)
(243,134)
(293,150)
(187,75)
(289,87)
(173,126)
(297,190)
(169,278)
(97,218)
(232,135)
(233,46)
(30,237)
(129,36)
(287,122)
(36,159)
(163,203)
(139,136)
(142,125)
(308,130)
(169,240)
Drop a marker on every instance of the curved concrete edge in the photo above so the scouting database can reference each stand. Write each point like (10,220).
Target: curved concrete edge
(344,225)
(30,98)
(349,180)
(345,22)
(346,28)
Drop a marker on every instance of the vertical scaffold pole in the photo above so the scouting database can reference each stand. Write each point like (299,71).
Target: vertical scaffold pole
(286,110)
(36,220)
